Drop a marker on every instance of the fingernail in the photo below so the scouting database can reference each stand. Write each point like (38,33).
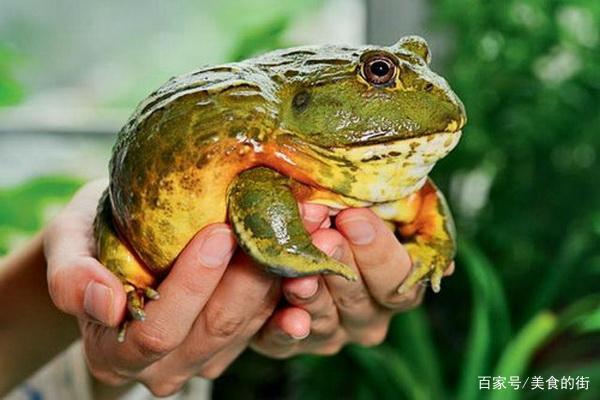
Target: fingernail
(216,248)
(359,231)
(287,336)
(304,336)
(312,213)
(98,302)
(307,289)
(298,331)
(336,253)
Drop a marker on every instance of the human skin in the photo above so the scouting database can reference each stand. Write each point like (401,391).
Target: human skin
(213,304)
(340,311)
(28,311)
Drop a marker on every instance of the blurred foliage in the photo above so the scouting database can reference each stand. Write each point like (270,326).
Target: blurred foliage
(10,90)
(25,208)
(523,184)
(261,25)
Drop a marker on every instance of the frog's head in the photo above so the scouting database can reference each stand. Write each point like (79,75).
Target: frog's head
(380,111)
(354,97)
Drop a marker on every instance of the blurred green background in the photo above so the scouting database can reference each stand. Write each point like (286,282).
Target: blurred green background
(524,183)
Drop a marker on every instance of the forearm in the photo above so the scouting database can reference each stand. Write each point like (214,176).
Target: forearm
(32,329)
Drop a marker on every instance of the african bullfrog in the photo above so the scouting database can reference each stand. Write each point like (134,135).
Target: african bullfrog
(243,142)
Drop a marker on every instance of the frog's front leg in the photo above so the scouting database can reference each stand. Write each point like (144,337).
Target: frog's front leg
(267,223)
(116,256)
(425,224)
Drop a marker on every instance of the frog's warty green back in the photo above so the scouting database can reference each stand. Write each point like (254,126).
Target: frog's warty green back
(176,157)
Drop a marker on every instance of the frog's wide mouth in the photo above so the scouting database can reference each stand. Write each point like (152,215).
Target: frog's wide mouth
(425,149)
(362,139)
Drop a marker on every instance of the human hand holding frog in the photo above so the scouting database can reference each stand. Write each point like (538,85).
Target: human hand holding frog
(326,312)
(214,305)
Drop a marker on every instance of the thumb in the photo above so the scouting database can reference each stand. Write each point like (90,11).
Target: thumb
(84,288)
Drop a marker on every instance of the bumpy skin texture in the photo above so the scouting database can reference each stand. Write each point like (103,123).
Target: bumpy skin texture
(316,119)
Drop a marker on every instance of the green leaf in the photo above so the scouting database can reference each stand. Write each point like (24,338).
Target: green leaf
(390,374)
(410,334)
(518,353)
(520,350)
(26,207)
(553,282)
(490,323)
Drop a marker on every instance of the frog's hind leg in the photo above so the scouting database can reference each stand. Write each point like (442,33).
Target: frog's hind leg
(425,224)
(431,239)
(116,256)
(266,220)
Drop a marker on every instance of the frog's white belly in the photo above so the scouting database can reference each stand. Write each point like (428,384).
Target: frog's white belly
(391,171)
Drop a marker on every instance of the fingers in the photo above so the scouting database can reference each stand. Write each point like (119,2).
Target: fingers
(81,286)
(184,293)
(78,284)
(240,305)
(339,310)
(364,321)
(314,216)
(311,294)
(192,280)
(383,261)
(282,334)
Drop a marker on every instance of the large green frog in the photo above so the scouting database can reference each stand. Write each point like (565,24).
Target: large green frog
(243,142)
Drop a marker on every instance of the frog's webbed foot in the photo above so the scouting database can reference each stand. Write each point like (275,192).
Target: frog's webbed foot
(267,223)
(116,256)
(136,298)
(427,268)
(430,240)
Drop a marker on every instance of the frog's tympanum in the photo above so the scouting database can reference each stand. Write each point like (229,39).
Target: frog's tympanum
(243,142)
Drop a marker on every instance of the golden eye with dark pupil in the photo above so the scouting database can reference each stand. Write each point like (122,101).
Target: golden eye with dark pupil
(379,70)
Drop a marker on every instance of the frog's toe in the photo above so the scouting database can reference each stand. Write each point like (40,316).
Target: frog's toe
(426,275)
(136,299)
(151,294)
(436,279)
(135,305)
(122,332)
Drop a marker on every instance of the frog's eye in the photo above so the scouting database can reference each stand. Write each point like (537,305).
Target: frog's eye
(378,69)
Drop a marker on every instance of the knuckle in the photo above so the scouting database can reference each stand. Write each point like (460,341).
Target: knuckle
(275,351)
(352,299)
(324,326)
(152,342)
(192,285)
(407,301)
(108,377)
(212,372)
(224,323)
(373,337)
(330,349)
(256,323)
(55,287)
(164,388)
